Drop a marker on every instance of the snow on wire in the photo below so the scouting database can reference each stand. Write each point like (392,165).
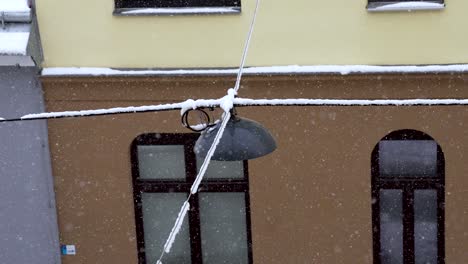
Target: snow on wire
(238,102)
(346,102)
(178,224)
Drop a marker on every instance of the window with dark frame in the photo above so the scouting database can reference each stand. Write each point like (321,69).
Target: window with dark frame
(217,229)
(408,171)
(175,3)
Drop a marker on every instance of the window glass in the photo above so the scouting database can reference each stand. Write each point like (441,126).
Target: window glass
(160,211)
(161,162)
(223,169)
(391,227)
(408,158)
(223,228)
(425,226)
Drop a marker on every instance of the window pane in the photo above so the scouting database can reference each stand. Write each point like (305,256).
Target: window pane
(425,226)
(162,162)
(223,169)
(408,158)
(223,228)
(391,227)
(160,211)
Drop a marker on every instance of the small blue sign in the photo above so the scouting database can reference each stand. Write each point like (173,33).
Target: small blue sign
(68,250)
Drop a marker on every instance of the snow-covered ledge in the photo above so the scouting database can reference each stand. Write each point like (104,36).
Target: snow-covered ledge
(405,6)
(13,43)
(167,11)
(264,70)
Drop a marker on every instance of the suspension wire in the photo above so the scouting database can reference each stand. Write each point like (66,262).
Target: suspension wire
(246,47)
(188,104)
(245,102)
(241,102)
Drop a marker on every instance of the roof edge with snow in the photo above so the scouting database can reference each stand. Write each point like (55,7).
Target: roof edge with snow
(265,70)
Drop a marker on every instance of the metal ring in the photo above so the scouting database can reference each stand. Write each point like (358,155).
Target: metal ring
(185,122)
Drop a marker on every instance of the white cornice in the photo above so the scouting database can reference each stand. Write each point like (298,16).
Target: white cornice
(265,70)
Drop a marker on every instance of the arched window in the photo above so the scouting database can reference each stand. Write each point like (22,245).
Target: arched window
(408,170)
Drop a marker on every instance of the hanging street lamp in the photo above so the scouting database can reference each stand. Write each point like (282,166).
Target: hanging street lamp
(243,139)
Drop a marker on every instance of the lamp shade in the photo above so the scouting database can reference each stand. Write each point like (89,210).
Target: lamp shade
(243,139)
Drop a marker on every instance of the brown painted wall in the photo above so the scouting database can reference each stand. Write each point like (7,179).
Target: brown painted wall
(310,199)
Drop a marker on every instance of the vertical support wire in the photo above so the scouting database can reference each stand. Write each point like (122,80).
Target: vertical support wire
(226,116)
(246,47)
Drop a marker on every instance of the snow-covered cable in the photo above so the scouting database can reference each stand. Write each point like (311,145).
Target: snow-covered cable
(239,102)
(246,47)
(346,102)
(176,228)
(185,207)
(183,106)
(206,162)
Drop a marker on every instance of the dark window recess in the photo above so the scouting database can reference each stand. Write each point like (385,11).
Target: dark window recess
(408,171)
(176,3)
(217,229)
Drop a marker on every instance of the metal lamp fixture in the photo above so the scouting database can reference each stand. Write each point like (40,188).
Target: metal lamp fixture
(243,139)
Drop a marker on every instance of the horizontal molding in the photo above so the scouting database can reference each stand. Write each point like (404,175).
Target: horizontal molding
(264,70)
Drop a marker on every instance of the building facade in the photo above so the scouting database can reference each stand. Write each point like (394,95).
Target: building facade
(347,184)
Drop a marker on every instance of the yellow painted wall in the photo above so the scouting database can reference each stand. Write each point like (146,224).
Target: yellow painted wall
(305,32)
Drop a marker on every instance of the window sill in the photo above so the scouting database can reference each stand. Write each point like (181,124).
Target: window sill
(176,11)
(405,6)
